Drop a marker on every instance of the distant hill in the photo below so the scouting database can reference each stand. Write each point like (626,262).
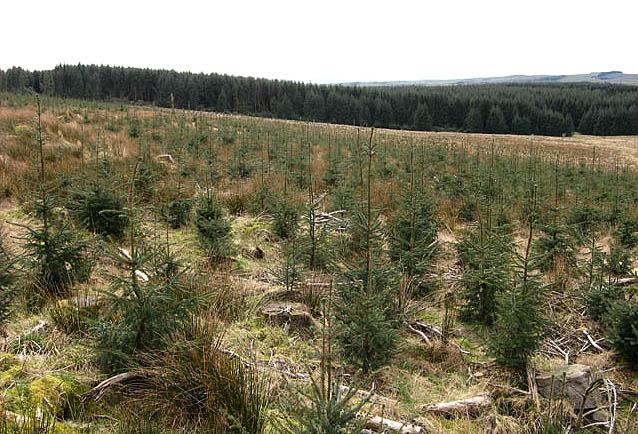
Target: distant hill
(617,77)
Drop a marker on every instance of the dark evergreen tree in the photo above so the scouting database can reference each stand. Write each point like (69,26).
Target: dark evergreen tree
(422,118)
(367,318)
(495,122)
(382,113)
(487,257)
(521,125)
(213,229)
(520,324)
(414,232)
(473,121)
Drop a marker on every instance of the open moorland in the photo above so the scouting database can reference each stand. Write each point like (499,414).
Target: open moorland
(173,271)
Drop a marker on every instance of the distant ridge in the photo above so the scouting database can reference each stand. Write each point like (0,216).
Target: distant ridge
(617,77)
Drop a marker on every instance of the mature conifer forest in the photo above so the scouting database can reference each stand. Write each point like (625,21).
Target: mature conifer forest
(541,109)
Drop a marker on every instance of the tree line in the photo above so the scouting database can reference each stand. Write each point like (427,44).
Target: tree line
(546,109)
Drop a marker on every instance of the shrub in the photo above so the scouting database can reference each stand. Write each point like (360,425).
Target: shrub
(177,212)
(7,277)
(321,411)
(621,324)
(213,230)
(143,309)
(55,258)
(599,299)
(76,315)
(100,210)
(286,220)
(237,202)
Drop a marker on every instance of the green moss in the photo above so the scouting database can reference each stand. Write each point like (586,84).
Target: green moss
(22,129)
(11,374)
(62,428)
(62,396)
(8,361)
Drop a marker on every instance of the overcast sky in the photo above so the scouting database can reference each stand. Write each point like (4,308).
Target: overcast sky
(326,41)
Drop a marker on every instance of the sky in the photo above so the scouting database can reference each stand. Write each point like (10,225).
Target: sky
(325,41)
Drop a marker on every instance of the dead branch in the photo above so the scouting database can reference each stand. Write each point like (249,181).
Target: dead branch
(100,390)
(463,406)
(380,424)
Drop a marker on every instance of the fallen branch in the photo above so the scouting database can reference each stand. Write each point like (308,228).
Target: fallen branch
(627,281)
(376,399)
(100,390)
(509,389)
(427,328)
(463,406)
(39,326)
(420,333)
(592,341)
(380,424)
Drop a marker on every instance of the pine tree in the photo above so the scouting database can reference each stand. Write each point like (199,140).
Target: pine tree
(325,408)
(495,122)
(587,122)
(414,231)
(521,125)
(473,121)
(422,118)
(147,300)
(213,229)
(223,104)
(520,325)
(620,323)
(7,278)
(365,311)
(55,258)
(487,256)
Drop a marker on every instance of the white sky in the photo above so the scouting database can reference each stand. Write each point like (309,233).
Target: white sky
(326,41)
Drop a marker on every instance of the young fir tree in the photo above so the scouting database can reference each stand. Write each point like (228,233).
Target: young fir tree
(365,312)
(7,278)
(555,249)
(414,231)
(55,258)
(315,241)
(147,300)
(213,229)
(99,208)
(520,324)
(487,256)
(288,274)
(325,408)
(620,323)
